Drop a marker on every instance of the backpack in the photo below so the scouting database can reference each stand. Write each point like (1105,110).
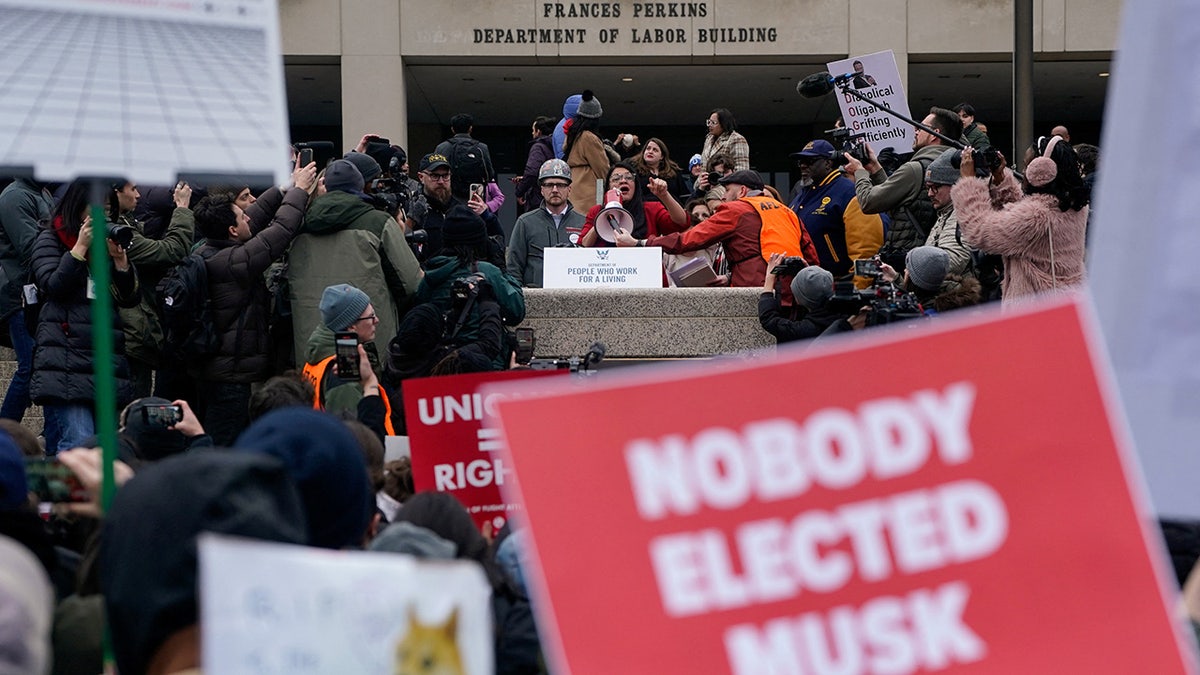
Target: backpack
(920,214)
(466,166)
(186,310)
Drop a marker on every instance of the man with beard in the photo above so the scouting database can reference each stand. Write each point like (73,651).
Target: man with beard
(434,174)
(830,212)
(554,223)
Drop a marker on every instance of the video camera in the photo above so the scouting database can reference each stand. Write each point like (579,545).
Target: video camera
(987,159)
(851,144)
(463,289)
(887,303)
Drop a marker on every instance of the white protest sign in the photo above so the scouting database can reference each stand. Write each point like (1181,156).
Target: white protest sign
(278,608)
(144,89)
(624,267)
(1144,246)
(876,77)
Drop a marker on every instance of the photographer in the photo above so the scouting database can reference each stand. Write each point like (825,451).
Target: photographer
(927,276)
(421,347)
(903,193)
(812,287)
(453,280)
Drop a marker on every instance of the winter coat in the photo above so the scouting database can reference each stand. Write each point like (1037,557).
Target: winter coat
(729,143)
(240,300)
(678,186)
(153,258)
(900,193)
(440,274)
(23,206)
(977,138)
(946,235)
(540,150)
(532,235)
(435,216)
(738,227)
(63,358)
(784,329)
(840,230)
(559,137)
(589,163)
(1026,232)
(346,241)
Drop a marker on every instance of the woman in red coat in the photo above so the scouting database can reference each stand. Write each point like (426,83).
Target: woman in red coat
(649,218)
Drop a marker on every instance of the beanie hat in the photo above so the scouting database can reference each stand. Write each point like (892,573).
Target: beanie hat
(463,228)
(695,161)
(589,107)
(812,286)
(327,467)
(341,305)
(420,330)
(14,486)
(341,175)
(927,267)
(366,165)
(941,170)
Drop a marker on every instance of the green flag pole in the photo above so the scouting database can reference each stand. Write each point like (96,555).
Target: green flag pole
(102,342)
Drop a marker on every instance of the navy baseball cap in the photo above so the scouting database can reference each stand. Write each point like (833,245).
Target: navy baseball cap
(817,148)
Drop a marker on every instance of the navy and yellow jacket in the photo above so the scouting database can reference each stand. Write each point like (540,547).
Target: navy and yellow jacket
(840,230)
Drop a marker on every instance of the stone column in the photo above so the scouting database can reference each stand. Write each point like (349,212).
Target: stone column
(374,96)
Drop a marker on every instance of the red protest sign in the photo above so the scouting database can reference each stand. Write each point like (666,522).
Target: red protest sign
(951,497)
(451,449)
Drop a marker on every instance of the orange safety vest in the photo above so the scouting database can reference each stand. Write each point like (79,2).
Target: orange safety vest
(315,374)
(780,227)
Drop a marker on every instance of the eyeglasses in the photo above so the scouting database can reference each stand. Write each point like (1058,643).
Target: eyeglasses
(711,123)
(439,177)
(555,186)
(622,178)
(370,317)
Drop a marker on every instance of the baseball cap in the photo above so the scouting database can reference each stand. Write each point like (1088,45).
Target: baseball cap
(746,177)
(817,148)
(433,161)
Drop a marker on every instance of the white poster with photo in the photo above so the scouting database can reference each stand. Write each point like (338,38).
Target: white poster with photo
(279,608)
(876,77)
(148,90)
(612,267)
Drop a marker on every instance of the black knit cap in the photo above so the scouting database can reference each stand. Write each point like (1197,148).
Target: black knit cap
(463,228)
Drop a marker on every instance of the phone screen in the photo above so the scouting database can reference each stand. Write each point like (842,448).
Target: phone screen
(865,267)
(52,481)
(162,416)
(346,355)
(477,188)
(526,344)
(305,158)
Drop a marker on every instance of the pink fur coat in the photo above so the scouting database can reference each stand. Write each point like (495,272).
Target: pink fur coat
(1021,228)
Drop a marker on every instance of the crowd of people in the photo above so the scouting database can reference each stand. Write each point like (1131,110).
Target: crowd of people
(417,276)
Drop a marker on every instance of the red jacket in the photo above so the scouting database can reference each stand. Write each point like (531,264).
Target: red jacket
(737,226)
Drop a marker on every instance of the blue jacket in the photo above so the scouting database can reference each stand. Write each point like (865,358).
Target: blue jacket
(570,107)
(840,230)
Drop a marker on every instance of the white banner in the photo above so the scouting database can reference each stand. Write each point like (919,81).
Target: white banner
(614,267)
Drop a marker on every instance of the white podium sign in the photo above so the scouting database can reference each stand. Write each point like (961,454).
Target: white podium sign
(603,267)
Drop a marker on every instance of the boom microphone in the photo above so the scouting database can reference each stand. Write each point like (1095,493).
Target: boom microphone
(820,84)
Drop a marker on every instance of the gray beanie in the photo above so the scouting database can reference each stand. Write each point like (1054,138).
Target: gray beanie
(941,171)
(927,267)
(341,305)
(812,286)
(590,106)
(365,164)
(343,176)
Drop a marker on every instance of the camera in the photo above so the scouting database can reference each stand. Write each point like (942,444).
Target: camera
(465,288)
(714,178)
(789,266)
(389,195)
(886,303)
(846,142)
(526,344)
(121,235)
(987,159)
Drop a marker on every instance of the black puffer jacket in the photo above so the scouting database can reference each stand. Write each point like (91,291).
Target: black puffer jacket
(63,358)
(240,301)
